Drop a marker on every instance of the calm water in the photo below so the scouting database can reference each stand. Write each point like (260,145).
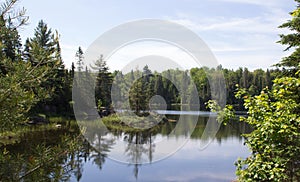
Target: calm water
(105,160)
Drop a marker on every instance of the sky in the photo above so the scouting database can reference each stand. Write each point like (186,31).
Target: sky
(240,33)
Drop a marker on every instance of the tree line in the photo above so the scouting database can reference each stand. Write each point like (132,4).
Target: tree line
(177,87)
(34,79)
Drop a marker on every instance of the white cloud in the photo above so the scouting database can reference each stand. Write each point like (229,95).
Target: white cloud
(266,3)
(248,41)
(238,40)
(266,23)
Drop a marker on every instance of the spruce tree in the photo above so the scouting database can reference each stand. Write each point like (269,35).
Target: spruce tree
(291,63)
(103,82)
(79,59)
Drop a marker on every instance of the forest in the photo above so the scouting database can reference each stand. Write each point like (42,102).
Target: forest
(34,81)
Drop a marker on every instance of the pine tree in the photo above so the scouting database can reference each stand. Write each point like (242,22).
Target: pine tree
(44,42)
(291,63)
(72,72)
(79,59)
(103,82)
(268,79)
(137,96)
(20,80)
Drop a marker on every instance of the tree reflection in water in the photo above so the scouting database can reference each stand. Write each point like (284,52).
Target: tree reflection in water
(60,154)
(139,144)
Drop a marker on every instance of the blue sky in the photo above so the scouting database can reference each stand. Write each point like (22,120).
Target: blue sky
(241,33)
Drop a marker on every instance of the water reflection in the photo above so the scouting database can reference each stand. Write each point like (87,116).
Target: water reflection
(90,162)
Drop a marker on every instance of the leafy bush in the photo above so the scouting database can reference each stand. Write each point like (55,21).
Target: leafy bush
(275,141)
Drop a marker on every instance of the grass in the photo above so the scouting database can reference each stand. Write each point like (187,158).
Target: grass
(125,123)
(114,123)
(14,135)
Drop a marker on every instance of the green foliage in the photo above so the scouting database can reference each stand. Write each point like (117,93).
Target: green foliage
(254,81)
(133,124)
(224,115)
(30,78)
(144,85)
(43,51)
(16,93)
(103,82)
(79,59)
(137,96)
(274,115)
(45,160)
(275,141)
(99,104)
(177,87)
(291,63)
(18,78)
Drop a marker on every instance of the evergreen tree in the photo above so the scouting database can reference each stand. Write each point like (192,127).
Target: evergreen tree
(43,50)
(103,82)
(20,80)
(11,41)
(245,78)
(72,72)
(79,59)
(44,42)
(142,89)
(268,79)
(158,85)
(291,63)
(137,96)
(184,87)
(147,86)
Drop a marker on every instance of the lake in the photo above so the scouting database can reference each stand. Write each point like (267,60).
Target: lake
(132,156)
